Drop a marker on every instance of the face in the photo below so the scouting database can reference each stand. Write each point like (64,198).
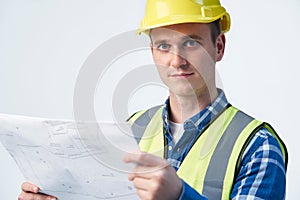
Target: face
(185,57)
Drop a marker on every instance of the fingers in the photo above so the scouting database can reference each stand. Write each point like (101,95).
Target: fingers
(145,172)
(140,183)
(143,193)
(153,177)
(30,192)
(33,196)
(29,187)
(159,187)
(144,159)
(148,166)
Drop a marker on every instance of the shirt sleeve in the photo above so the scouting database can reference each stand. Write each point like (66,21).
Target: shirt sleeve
(262,174)
(189,193)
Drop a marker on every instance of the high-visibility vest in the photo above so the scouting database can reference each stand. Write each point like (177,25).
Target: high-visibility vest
(212,163)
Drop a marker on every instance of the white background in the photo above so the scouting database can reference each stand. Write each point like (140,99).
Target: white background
(43,44)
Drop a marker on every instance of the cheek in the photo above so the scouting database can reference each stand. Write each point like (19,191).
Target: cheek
(162,71)
(201,61)
(160,58)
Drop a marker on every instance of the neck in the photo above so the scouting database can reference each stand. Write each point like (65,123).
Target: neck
(184,107)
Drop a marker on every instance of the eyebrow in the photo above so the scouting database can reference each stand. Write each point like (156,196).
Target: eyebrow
(193,36)
(160,42)
(186,37)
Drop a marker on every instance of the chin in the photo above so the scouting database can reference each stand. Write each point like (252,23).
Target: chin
(184,92)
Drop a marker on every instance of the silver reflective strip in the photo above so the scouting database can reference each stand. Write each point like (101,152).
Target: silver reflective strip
(140,124)
(213,182)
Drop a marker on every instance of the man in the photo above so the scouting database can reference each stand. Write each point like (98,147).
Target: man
(196,145)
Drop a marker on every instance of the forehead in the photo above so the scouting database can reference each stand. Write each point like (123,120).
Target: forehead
(178,31)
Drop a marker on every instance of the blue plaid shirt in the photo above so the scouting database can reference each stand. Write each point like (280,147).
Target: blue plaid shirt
(262,173)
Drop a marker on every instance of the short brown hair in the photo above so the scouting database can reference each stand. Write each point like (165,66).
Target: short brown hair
(215,30)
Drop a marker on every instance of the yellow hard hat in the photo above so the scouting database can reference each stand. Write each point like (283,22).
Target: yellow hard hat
(167,12)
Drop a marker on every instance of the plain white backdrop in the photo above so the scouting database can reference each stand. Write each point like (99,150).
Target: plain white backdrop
(43,44)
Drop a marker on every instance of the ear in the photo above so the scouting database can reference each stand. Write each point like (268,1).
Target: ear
(220,46)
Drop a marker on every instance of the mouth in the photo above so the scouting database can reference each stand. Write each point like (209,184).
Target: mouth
(181,75)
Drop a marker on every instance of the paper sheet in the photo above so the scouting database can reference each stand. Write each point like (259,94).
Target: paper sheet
(71,160)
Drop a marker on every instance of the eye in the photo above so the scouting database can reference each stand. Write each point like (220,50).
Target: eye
(191,43)
(163,47)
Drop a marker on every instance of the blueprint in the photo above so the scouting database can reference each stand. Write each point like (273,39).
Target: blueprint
(71,160)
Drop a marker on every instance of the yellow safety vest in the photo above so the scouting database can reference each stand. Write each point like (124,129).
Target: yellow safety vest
(213,161)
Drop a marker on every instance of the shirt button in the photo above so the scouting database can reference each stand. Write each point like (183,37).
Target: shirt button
(178,150)
(170,148)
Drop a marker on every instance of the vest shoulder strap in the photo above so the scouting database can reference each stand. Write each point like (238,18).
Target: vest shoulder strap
(221,156)
(140,120)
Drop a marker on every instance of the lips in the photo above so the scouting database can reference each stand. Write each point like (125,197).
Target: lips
(181,75)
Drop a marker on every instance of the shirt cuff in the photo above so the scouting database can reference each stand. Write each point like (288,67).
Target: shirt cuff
(189,193)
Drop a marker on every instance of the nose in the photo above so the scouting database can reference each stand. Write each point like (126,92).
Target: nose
(177,59)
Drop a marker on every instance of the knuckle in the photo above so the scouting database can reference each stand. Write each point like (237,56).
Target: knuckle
(155,186)
(142,156)
(135,183)
(159,176)
(153,189)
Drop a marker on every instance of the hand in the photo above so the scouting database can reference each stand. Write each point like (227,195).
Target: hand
(153,177)
(30,192)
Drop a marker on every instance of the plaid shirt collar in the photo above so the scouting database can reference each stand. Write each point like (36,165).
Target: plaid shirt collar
(202,118)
